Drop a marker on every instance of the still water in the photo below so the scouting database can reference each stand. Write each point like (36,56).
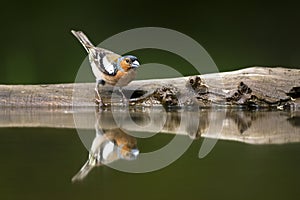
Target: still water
(39,163)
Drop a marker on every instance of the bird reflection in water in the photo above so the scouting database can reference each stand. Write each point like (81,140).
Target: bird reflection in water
(109,145)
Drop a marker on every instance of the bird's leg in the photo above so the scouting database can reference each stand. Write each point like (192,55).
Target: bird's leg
(124,98)
(98,99)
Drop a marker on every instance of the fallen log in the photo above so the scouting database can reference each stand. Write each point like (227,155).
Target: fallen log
(255,87)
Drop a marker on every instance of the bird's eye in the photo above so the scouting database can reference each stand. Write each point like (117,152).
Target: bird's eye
(127,60)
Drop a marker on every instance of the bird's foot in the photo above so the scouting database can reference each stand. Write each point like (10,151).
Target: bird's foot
(98,99)
(100,103)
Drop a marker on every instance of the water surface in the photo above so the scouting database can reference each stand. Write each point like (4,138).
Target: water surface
(39,163)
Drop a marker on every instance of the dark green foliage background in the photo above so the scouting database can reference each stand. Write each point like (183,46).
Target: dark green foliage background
(37,47)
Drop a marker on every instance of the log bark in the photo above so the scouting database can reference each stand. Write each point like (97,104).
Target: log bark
(255,87)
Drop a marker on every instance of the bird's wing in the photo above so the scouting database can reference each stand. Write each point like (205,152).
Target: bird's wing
(104,60)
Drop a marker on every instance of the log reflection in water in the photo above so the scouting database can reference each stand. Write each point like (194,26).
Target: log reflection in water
(254,127)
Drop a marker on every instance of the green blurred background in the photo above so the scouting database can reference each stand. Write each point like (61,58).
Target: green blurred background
(37,47)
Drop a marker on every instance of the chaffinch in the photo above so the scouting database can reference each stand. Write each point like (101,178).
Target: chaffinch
(108,67)
(108,146)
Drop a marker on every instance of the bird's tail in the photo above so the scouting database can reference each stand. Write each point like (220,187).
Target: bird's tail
(86,168)
(83,39)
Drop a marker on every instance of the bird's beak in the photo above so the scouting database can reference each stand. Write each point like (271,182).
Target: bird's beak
(133,154)
(135,64)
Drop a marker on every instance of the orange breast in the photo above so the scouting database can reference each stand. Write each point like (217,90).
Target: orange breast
(121,78)
(123,140)
(113,80)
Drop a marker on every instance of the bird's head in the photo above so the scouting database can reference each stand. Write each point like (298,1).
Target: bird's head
(128,153)
(128,62)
